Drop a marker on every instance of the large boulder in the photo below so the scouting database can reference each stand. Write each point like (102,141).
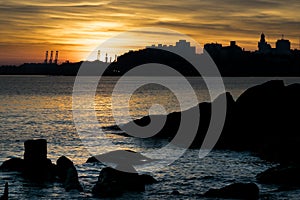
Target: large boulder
(247,191)
(264,114)
(284,175)
(258,112)
(112,182)
(35,150)
(263,120)
(67,173)
(205,108)
(36,165)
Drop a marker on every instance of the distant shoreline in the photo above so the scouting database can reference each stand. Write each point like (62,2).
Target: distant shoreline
(232,65)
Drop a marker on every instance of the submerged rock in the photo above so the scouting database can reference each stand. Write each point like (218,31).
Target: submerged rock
(112,182)
(248,191)
(67,173)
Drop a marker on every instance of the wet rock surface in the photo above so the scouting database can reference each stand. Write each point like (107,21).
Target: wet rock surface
(67,173)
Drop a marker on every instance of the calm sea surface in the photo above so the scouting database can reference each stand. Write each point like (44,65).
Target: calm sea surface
(41,107)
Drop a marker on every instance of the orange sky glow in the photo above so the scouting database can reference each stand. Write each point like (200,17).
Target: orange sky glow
(75,28)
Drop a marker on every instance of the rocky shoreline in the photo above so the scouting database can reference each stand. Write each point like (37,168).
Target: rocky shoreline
(263,120)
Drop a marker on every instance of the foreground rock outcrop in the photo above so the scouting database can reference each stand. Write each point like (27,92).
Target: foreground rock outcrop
(262,120)
(247,191)
(288,175)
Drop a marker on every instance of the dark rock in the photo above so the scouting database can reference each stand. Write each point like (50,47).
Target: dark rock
(13,164)
(72,182)
(5,193)
(63,164)
(286,175)
(248,191)
(168,131)
(112,182)
(92,159)
(264,118)
(257,112)
(36,165)
(206,114)
(35,150)
(67,173)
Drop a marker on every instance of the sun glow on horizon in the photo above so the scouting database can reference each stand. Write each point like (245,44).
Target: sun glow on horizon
(76,28)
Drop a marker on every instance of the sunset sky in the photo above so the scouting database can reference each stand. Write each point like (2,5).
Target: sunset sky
(75,27)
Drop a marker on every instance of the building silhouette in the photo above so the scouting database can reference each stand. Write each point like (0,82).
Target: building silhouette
(231,60)
(283,47)
(182,47)
(213,49)
(263,46)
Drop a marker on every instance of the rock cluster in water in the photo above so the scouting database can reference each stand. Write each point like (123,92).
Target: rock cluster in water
(262,120)
(35,166)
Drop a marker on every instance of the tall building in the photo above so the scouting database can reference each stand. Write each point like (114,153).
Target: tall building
(263,46)
(233,51)
(283,46)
